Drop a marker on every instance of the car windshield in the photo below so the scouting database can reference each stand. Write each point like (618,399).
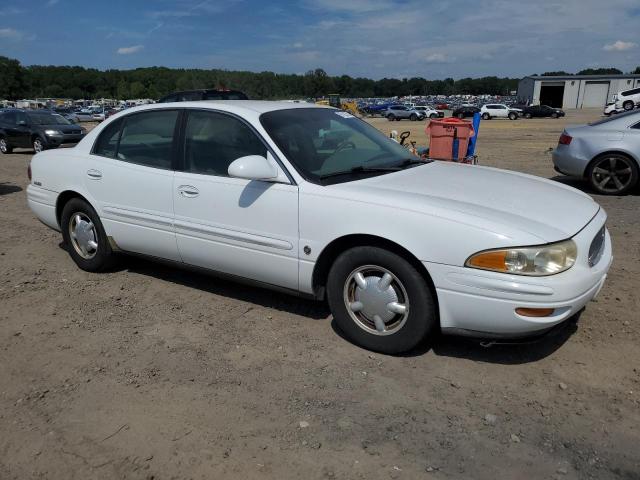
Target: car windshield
(331,146)
(45,118)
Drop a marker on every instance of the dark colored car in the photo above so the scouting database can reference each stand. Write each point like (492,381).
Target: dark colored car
(205,94)
(37,129)
(542,111)
(465,111)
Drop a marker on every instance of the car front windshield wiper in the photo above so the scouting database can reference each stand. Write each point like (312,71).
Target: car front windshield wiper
(360,169)
(410,162)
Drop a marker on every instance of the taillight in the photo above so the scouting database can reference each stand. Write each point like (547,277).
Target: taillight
(29,171)
(565,139)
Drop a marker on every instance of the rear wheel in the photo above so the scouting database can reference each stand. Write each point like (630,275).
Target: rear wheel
(85,237)
(460,115)
(613,174)
(4,146)
(486,116)
(379,300)
(628,105)
(527,115)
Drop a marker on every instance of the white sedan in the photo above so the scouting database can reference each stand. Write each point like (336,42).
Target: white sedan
(314,201)
(499,110)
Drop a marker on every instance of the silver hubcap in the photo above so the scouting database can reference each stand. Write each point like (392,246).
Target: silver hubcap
(612,174)
(3,145)
(37,145)
(376,300)
(83,235)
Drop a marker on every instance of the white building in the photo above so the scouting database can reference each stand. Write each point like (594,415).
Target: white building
(574,91)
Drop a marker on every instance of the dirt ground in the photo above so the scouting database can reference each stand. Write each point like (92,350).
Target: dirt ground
(152,372)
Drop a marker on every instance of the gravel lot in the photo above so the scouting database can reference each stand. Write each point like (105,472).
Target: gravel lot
(151,372)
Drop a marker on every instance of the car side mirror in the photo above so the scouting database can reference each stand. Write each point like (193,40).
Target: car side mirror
(253,167)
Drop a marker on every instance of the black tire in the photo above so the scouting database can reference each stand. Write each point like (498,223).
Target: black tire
(433,115)
(628,105)
(622,164)
(103,258)
(38,144)
(460,116)
(411,328)
(554,115)
(527,115)
(413,117)
(513,116)
(486,116)
(4,146)
(391,117)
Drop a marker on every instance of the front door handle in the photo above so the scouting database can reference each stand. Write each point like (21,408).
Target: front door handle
(94,174)
(188,191)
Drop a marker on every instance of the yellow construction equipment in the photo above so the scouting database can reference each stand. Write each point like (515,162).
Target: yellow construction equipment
(335,101)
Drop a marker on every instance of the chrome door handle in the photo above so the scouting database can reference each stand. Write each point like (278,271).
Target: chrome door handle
(188,191)
(94,174)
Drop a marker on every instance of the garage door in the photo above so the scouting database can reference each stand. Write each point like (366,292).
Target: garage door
(595,94)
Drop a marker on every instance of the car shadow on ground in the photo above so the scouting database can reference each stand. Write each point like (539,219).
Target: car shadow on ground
(511,353)
(216,285)
(7,188)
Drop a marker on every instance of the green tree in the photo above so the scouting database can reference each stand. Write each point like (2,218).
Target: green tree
(600,71)
(12,82)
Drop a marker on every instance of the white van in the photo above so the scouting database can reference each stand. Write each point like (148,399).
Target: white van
(627,99)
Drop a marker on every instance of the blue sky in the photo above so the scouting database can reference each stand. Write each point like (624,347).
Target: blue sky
(372,38)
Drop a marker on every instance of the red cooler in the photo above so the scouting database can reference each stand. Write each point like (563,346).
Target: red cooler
(443,135)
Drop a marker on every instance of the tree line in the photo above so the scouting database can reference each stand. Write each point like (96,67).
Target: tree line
(38,81)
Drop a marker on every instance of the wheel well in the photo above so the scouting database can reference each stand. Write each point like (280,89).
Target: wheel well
(608,152)
(335,248)
(63,199)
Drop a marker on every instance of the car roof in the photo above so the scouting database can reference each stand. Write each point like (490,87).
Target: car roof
(238,106)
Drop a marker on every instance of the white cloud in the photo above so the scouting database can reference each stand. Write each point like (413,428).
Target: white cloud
(298,45)
(353,6)
(130,50)
(619,46)
(51,3)
(436,58)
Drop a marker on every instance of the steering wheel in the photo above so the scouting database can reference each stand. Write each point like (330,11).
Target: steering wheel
(404,136)
(343,145)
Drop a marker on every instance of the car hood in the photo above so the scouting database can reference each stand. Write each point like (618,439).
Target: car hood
(506,203)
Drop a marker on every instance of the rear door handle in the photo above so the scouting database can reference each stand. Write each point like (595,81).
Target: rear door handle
(188,191)
(94,174)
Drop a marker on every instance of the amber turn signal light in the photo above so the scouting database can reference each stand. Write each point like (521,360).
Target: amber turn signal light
(534,312)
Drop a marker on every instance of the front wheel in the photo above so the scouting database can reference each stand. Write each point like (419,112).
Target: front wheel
(554,115)
(380,301)
(38,145)
(513,116)
(413,117)
(461,115)
(85,237)
(613,174)
(4,146)
(627,105)
(391,117)
(433,115)
(527,115)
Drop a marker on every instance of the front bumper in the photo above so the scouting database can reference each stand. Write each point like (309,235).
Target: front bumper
(55,140)
(482,304)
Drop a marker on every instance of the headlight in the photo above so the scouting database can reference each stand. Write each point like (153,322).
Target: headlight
(53,132)
(535,261)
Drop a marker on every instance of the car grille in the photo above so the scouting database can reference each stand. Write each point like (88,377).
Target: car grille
(597,247)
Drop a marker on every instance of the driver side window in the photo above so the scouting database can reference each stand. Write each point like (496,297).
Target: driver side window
(214,140)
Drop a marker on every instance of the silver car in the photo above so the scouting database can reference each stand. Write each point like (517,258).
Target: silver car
(606,153)
(398,112)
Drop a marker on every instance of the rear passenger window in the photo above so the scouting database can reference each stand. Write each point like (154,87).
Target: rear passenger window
(107,142)
(214,140)
(147,138)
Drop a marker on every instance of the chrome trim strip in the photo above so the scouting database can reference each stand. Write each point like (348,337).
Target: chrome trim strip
(142,216)
(233,235)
